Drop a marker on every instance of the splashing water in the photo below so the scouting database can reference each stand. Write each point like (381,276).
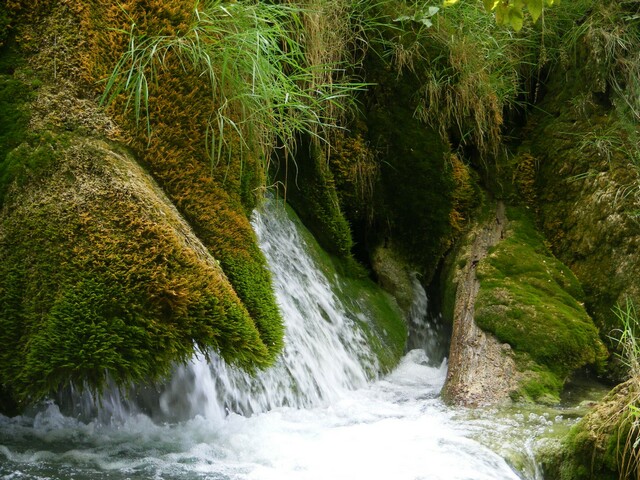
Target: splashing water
(318,414)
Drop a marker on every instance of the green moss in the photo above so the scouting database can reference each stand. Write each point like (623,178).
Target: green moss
(539,384)
(531,301)
(311,190)
(5,21)
(15,95)
(99,278)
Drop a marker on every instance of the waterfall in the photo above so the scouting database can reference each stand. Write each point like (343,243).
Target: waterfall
(325,353)
(321,412)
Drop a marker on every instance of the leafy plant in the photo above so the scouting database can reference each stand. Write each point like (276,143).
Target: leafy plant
(511,13)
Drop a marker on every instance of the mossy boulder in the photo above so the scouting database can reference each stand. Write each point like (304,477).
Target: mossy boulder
(589,203)
(526,300)
(394,275)
(584,139)
(602,445)
(100,278)
(533,302)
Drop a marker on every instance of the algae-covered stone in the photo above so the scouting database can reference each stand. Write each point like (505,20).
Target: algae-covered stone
(101,278)
(602,445)
(393,275)
(510,286)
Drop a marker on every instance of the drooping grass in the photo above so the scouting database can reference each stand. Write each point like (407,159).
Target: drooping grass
(472,71)
(263,82)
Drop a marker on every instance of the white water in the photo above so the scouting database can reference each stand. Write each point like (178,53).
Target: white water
(316,416)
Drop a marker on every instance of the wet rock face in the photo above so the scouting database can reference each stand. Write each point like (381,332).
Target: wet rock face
(519,329)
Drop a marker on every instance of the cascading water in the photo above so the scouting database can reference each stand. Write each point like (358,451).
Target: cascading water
(324,355)
(320,413)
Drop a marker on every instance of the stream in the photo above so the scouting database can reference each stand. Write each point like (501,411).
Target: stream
(321,413)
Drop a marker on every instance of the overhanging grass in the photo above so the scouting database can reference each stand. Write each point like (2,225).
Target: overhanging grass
(261,81)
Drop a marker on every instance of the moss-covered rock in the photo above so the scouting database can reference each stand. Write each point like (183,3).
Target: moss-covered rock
(101,278)
(394,275)
(533,302)
(527,301)
(584,141)
(589,203)
(216,197)
(603,445)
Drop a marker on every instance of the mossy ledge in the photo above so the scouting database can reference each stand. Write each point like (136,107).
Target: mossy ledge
(528,301)
(104,254)
(600,446)
(101,278)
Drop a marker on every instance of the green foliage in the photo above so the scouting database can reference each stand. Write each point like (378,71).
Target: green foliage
(530,300)
(628,336)
(99,279)
(511,13)
(414,195)
(252,56)
(470,71)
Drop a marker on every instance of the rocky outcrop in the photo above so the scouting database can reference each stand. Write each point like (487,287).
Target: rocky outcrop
(603,445)
(101,278)
(519,330)
(105,274)
(589,190)
(481,369)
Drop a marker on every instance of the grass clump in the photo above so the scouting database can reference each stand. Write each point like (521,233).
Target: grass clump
(259,76)
(531,301)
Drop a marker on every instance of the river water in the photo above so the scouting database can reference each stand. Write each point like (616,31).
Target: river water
(319,414)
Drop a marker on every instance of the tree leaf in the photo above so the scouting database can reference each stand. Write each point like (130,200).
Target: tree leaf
(516,18)
(490,4)
(535,9)
(502,13)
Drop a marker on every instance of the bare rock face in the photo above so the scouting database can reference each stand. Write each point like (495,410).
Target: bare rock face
(481,369)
